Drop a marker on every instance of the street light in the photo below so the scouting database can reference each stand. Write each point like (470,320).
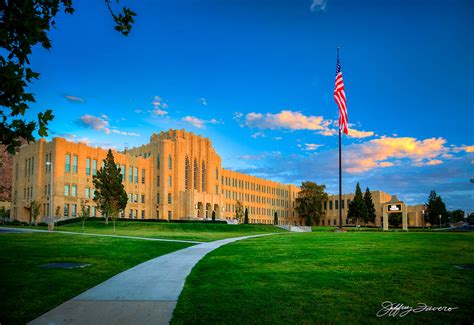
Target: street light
(51,224)
(423,213)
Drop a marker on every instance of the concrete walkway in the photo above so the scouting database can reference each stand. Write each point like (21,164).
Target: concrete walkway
(144,294)
(99,235)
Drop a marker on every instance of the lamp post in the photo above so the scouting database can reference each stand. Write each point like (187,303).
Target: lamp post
(440,221)
(423,216)
(51,218)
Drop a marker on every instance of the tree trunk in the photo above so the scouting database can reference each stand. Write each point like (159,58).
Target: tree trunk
(83,222)
(106,219)
(114,225)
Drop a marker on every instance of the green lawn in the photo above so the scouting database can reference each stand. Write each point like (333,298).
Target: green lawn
(329,277)
(188,231)
(27,290)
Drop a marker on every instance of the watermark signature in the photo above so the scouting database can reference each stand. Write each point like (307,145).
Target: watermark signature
(393,309)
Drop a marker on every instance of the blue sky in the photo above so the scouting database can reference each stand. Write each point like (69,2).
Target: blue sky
(257,77)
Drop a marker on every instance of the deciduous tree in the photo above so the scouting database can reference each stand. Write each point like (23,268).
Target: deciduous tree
(309,203)
(239,211)
(23,25)
(34,211)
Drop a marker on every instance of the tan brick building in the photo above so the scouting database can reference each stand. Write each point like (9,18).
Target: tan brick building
(178,175)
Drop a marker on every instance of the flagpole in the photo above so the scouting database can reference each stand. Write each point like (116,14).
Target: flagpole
(340,167)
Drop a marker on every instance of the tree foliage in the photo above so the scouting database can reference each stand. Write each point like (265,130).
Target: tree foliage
(275,218)
(357,209)
(239,211)
(109,194)
(34,211)
(395,219)
(246,218)
(435,207)
(309,203)
(213,215)
(85,213)
(370,207)
(456,215)
(23,25)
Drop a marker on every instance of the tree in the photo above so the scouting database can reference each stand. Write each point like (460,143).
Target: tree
(4,214)
(85,213)
(395,219)
(109,194)
(275,218)
(456,215)
(23,25)
(34,210)
(357,209)
(239,211)
(57,214)
(213,215)
(246,218)
(435,207)
(309,203)
(369,204)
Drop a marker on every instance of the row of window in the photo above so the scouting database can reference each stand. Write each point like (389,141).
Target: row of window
(245,197)
(257,211)
(336,204)
(234,182)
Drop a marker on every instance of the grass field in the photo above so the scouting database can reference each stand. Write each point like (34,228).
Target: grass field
(27,290)
(329,277)
(187,231)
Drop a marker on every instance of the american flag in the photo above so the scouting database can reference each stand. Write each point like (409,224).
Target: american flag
(340,98)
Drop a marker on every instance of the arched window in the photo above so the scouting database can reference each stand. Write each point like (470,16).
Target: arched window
(170,162)
(186,173)
(203,172)
(195,174)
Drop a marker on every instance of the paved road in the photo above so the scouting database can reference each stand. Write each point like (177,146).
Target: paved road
(144,294)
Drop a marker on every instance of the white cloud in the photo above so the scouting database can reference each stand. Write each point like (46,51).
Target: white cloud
(258,135)
(159,112)
(95,123)
(203,101)
(318,5)
(286,119)
(132,134)
(199,123)
(75,99)
(159,105)
(312,146)
(353,133)
(467,149)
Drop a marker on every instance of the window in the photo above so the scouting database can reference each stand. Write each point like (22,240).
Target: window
(136,214)
(130,174)
(94,167)
(143,214)
(186,173)
(94,211)
(135,175)
(157,198)
(325,205)
(158,162)
(88,192)
(73,210)
(32,165)
(16,171)
(74,164)
(217,189)
(122,171)
(66,210)
(143,176)
(203,171)
(217,173)
(170,162)
(143,198)
(68,163)
(169,198)
(195,174)
(336,204)
(88,166)
(169,215)
(130,214)
(130,197)
(135,198)
(66,190)
(342,204)
(169,181)
(74,190)
(330,205)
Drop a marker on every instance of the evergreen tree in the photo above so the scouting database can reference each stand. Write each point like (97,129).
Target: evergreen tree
(357,209)
(434,208)
(109,194)
(275,218)
(246,218)
(213,215)
(369,204)
(309,203)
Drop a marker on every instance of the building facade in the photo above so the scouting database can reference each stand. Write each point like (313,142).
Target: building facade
(331,208)
(177,175)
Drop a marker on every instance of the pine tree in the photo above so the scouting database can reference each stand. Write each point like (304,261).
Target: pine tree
(213,215)
(369,204)
(435,207)
(275,218)
(109,194)
(357,209)
(246,218)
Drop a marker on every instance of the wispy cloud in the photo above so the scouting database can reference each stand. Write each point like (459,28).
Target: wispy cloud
(199,123)
(286,119)
(318,5)
(353,133)
(311,146)
(464,148)
(74,99)
(159,112)
(160,106)
(203,101)
(258,135)
(131,134)
(95,123)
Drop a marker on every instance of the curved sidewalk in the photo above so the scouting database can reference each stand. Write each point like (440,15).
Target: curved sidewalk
(144,294)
